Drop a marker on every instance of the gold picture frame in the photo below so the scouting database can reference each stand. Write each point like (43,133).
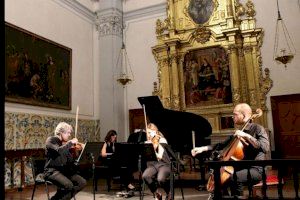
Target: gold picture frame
(37,70)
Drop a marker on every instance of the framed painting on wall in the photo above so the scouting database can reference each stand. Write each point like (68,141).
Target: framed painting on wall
(227,122)
(37,70)
(207,77)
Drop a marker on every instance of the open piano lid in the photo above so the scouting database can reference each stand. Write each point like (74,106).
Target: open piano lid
(177,126)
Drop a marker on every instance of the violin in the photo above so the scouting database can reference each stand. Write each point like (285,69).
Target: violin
(233,151)
(76,149)
(155,139)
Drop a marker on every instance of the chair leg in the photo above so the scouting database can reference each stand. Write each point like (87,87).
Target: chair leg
(47,190)
(34,187)
(181,189)
(108,182)
(142,192)
(96,184)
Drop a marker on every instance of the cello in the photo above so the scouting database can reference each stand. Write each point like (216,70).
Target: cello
(233,151)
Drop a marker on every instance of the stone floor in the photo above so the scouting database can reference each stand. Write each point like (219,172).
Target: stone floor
(189,185)
(190,193)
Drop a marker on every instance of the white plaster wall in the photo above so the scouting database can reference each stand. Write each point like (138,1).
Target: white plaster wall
(53,20)
(140,37)
(285,80)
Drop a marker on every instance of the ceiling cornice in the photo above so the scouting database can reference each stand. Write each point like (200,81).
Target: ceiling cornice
(145,12)
(78,9)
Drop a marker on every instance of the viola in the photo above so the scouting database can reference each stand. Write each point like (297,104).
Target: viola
(233,151)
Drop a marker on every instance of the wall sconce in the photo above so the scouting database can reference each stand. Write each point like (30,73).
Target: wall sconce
(284,49)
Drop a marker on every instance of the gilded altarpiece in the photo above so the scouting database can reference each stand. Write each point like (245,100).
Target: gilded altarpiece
(221,34)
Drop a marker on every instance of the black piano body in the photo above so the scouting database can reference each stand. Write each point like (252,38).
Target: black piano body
(177,126)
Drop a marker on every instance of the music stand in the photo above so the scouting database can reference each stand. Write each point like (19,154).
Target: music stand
(174,159)
(90,151)
(139,153)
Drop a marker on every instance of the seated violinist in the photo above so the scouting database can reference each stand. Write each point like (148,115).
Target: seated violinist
(157,172)
(258,146)
(60,167)
(107,151)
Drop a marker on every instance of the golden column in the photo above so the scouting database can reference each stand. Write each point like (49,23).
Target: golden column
(161,55)
(235,73)
(174,79)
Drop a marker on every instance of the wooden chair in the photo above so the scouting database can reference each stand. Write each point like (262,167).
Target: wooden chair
(38,175)
(38,165)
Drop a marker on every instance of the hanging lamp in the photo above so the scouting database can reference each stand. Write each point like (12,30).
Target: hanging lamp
(284,49)
(126,75)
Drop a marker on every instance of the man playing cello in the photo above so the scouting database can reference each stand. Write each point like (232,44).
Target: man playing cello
(258,146)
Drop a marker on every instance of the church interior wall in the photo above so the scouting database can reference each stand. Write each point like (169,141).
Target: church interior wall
(28,126)
(54,21)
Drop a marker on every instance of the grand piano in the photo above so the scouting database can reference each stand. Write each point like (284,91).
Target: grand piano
(177,126)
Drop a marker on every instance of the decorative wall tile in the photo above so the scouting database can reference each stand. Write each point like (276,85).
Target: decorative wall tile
(28,173)
(17,173)
(7,175)
(30,131)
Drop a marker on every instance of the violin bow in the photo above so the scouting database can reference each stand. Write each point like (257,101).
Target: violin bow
(145,118)
(76,122)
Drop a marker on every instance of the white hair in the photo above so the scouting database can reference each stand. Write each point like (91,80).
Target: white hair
(62,127)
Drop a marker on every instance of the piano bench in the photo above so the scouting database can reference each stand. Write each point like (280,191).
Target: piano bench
(103,170)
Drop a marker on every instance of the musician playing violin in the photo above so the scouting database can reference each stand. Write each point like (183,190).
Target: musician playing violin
(60,168)
(258,146)
(157,172)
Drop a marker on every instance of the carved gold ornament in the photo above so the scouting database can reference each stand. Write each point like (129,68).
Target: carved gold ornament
(202,34)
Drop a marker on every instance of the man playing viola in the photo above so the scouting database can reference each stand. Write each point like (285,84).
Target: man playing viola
(59,167)
(257,138)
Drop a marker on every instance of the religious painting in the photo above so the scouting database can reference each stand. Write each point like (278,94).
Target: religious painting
(207,77)
(227,122)
(37,70)
(200,10)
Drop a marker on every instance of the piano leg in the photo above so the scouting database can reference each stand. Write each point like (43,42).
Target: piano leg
(202,185)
